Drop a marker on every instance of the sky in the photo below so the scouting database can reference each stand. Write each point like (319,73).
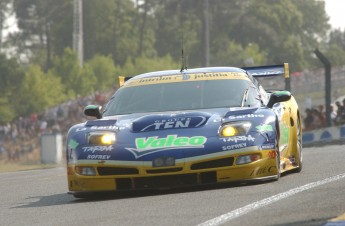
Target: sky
(335,10)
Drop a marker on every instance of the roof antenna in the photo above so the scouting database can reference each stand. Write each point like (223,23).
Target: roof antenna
(183,59)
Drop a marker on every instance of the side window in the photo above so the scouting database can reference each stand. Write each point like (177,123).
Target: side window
(263,94)
(253,99)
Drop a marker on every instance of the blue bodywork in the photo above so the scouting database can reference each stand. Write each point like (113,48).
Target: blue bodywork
(144,137)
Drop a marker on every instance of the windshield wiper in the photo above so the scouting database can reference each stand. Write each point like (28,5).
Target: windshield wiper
(245,97)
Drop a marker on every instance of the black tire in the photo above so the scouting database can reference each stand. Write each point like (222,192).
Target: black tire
(299,146)
(277,150)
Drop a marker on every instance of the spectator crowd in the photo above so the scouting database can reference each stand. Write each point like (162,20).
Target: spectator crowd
(315,118)
(22,135)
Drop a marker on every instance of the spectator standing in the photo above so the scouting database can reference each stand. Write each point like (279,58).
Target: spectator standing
(2,148)
(333,115)
(322,115)
(308,103)
(343,113)
(317,123)
(339,112)
(43,125)
(14,134)
(308,120)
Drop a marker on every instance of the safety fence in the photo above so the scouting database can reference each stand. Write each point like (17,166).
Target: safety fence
(335,134)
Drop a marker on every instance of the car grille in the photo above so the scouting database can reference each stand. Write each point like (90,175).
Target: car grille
(106,171)
(170,170)
(213,164)
(169,181)
(165,181)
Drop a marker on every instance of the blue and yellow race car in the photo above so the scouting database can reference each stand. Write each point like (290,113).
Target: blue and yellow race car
(186,127)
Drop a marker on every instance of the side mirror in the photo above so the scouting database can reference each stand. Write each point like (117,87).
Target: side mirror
(94,111)
(278,96)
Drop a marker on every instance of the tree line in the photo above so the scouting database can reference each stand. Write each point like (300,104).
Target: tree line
(38,68)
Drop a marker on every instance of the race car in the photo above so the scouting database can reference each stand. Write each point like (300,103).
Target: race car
(186,127)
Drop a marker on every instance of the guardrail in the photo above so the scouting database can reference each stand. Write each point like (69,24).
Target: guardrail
(335,134)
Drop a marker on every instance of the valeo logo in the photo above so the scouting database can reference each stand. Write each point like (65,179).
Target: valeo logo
(169,142)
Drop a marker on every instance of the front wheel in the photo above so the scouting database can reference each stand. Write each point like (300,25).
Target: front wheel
(298,152)
(278,152)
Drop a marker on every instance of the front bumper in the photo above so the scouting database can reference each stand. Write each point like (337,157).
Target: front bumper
(111,177)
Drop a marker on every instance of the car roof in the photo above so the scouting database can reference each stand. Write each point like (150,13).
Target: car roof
(190,71)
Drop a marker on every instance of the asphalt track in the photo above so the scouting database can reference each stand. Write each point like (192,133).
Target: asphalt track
(312,197)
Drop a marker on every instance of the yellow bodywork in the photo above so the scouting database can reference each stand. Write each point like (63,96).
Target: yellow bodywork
(264,168)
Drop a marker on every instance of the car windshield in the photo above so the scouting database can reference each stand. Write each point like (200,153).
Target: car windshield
(181,96)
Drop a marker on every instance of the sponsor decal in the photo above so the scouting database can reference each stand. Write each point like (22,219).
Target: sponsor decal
(97,128)
(149,145)
(234,146)
(285,134)
(104,127)
(263,73)
(215,75)
(98,157)
(145,125)
(272,154)
(187,77)
(81,129)
(263,170)
(72,144)
(264,128)
(170,141)
(94,149)
(238,138)
(267,146)
(246,116)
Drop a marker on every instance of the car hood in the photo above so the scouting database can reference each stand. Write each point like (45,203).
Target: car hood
(174,120)
(179,134)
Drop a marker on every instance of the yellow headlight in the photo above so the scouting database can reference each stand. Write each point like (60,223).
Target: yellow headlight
(108,138)
(234,129)
(102,138)
(229,131)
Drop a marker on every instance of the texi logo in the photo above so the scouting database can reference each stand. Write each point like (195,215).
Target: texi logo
(164,122)
(148,145)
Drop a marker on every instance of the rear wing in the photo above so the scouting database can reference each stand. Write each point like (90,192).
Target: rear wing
(123,79)
(269,71)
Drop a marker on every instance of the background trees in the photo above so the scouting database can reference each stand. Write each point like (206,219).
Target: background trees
(126,37)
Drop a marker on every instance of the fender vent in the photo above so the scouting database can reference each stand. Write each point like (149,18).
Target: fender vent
(292,123)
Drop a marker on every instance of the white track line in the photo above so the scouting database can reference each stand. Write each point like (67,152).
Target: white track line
(256,205)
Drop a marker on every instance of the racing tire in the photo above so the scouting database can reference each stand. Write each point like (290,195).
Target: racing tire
(278,152)
(299,146)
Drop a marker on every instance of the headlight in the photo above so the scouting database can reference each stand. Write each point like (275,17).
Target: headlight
(101,138)
(234,129)
(85,170)
(245,159)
